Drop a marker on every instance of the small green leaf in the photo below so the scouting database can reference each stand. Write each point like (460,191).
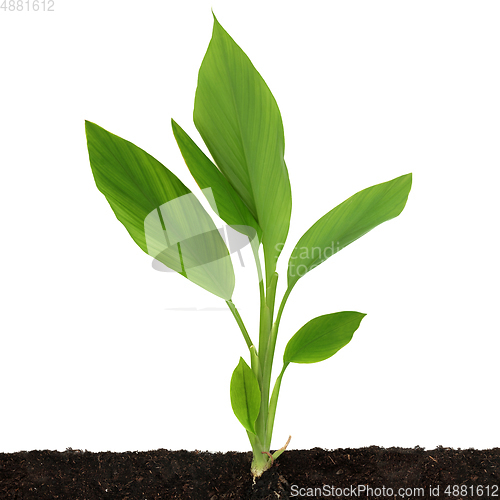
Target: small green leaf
(346,223)
(239,121)
(245,395)
(322,337)
(160,213)
(222,197)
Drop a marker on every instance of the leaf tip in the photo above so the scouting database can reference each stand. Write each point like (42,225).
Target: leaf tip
(89,128)
(174,124)
(216,22)
(408,178)
(217,25)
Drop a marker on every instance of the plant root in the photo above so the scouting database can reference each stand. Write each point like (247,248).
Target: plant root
(277,453)
(286,444)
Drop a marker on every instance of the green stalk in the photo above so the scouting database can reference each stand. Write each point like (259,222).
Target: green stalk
(267,360)
(261,441)
(237,316)
(272,408)
(264,333)
(255,250)
(268,366)
(271,294)
(260,461)
(274,333)
(254,358)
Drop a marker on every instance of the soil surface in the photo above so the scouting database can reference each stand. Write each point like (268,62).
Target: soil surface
(372,473)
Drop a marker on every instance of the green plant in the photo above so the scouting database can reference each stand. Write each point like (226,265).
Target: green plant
(247,185)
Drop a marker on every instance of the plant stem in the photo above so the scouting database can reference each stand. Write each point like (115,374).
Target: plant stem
(268,367)
(255,250)
(254,358)
(260,461)
(274,330)
(267,364)
(272,408)
(237,316)
(271,294)
(261,441)
(264,333)
(274,333)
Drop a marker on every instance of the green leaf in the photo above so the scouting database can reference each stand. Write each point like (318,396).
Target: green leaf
(160,213)
(245,395)
(239,121)
(222,197)
(346,223)
(322,337)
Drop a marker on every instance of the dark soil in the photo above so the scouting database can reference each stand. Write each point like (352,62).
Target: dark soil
(346,473)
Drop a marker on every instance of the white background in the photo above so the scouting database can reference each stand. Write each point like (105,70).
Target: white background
(91,355)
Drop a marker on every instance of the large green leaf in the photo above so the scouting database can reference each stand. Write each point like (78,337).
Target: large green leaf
(160,213)
(346,223)
(239,121)
(322,337)
(245,395)
(222,197)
